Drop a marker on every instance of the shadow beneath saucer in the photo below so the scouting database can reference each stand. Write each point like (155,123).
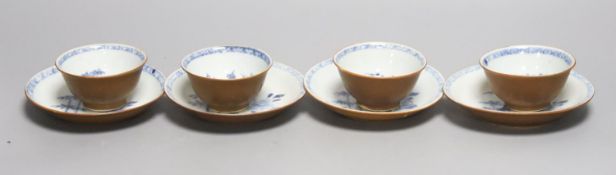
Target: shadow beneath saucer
(46,120)
(324,115)
(189,120)
(466,119)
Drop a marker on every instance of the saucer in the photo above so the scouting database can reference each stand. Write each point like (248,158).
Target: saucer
(48,91)
(324,84)
(470,89)
(281,89)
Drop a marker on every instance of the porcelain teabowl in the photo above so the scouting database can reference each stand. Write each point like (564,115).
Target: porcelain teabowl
(527,77)
(379,74)
(48,91)
(324,83)
(227,78)
(281,89)
(470,89)
(102,75)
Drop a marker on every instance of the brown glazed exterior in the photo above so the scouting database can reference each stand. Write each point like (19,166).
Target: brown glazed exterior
(227,95)
(103,93)
(526,93)
(378,93)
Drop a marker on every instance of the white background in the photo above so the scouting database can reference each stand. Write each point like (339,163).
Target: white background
(307,138)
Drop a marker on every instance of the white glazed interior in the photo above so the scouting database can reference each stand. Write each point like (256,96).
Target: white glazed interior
(324,83)
(281,79)
(528,60)
(49,90)
(228,62)
(100,60)
(380,59)
(470,87)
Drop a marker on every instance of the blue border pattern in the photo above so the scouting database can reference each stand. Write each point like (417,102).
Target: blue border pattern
(379,45)
(516,50)
(225,49)
(97,47)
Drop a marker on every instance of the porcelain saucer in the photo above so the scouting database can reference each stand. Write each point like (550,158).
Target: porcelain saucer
(48,91)
(470,89)
(324,84)
(281,89)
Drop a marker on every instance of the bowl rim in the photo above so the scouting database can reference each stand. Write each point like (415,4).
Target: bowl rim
(133,69)
(259,73)
(405,75)
(487,68)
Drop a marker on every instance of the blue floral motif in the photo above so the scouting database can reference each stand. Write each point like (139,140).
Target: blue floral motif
(194,100)
(264,104)
(346,100)
(93,73)
(495,105)
(72,104)
(375,74)
(498,105)
(231,75)
(407,102)
(255,106)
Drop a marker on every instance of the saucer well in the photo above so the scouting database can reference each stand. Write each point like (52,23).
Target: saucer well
(48,91)
(469,88)
(281,89)
(324,84)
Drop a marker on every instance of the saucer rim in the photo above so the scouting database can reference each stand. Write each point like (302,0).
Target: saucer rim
(428,105)
(276,109)
(517,113)
(95,114)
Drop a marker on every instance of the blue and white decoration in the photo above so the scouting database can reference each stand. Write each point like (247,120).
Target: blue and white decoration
(226,49)
(375,74)
(380,45)
(279,90)
(346,100)
(469,87)
(72,104)
(527,50)
(498,105)
(96,47)
(94,73)
(55,95)
(324,83)
(257,105)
